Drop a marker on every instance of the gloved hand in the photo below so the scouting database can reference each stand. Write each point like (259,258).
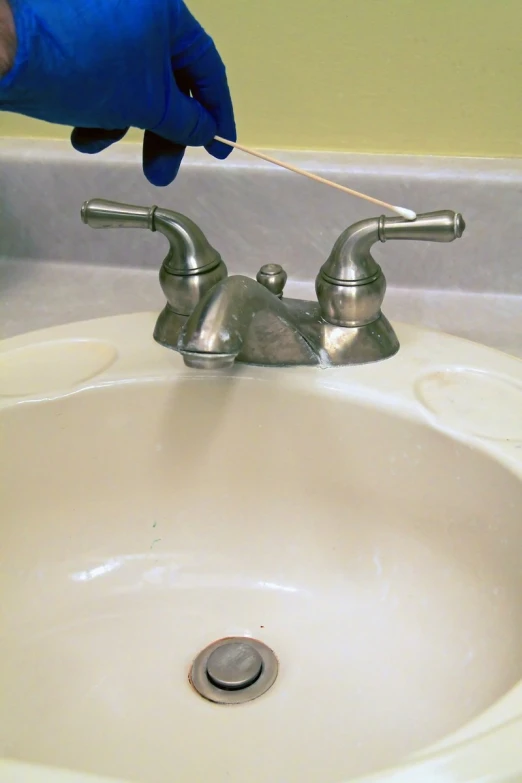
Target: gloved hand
(107,65)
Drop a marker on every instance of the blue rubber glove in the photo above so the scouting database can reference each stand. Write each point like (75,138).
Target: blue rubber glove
(107,65)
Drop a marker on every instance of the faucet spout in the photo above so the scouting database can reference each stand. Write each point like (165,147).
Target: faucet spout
(239,319)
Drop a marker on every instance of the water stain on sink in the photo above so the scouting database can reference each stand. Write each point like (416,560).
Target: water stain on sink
(480,403)
(51,367)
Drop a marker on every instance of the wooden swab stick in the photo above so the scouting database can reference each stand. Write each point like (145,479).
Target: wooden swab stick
(408,214)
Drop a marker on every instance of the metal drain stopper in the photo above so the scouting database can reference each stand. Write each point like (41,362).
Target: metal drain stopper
(234,670)
(234,666)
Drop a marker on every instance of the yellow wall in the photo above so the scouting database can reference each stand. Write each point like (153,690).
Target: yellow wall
(407,76)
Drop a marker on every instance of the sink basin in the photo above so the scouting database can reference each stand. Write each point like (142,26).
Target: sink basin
(363,523)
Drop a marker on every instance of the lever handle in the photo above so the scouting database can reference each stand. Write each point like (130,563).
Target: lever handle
(442,226)
(190,252)
(99,213)
(351,262)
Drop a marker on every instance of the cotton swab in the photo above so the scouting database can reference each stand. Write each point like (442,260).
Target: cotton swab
(407,214)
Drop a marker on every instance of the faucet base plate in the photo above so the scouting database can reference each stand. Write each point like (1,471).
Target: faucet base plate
(340,346)
(168,327)
(304,338)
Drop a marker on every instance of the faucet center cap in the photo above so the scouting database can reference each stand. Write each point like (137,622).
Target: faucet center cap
(234,666)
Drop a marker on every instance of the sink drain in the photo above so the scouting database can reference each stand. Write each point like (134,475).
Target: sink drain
(234,670)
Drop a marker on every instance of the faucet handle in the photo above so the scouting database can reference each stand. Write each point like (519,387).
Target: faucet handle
(351,262)
(350,285)
(190,252)
(191,267)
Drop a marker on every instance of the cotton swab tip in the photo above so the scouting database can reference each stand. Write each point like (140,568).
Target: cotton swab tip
(407,214)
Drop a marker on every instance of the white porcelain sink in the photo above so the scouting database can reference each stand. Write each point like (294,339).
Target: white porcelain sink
(365,523)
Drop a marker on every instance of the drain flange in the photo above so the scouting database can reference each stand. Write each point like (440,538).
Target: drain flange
(234,670)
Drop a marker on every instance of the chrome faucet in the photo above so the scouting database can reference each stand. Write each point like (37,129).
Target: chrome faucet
(214,320)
